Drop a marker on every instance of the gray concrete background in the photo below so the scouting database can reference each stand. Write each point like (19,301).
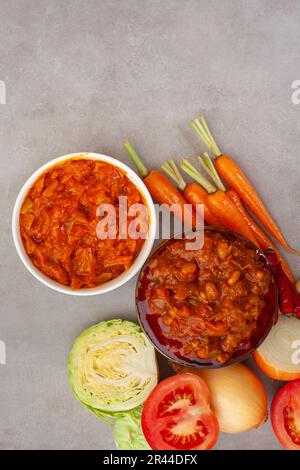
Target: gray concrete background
(82,76)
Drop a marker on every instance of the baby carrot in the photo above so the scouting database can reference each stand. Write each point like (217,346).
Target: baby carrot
(161,188)
(263,240)
(222,207)
(193,192)
(233,175)
(229,216)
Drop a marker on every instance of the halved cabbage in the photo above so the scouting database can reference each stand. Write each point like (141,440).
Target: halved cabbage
(112,367)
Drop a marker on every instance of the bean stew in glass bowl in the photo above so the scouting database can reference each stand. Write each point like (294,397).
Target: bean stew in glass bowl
(207,307)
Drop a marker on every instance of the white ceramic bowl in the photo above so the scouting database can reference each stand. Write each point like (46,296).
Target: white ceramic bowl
(114,283)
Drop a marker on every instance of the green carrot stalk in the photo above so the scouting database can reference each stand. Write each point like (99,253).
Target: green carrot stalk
(209,167)
(196,175)
(142,169)
(205,135)
(171,170)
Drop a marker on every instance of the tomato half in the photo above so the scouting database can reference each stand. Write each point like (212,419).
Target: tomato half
(177,415)
(285,415)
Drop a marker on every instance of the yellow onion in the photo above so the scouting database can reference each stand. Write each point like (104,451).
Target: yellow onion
(238,396)
(279,355)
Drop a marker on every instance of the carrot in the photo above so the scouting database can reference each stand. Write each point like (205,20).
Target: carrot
(233,175)
(226,211)
(193,192)
(161,189)
(263,240)
(221,206)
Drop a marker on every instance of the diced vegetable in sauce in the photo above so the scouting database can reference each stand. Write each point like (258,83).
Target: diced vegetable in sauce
(208,303)
(58,223)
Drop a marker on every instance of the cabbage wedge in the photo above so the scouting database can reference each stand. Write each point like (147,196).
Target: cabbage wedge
(112,367)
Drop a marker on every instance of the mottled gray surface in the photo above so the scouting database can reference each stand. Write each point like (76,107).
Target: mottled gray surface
(85,75)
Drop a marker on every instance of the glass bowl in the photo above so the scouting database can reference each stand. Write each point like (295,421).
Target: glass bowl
(264,323)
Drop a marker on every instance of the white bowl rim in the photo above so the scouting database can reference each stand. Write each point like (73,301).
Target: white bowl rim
(114,283)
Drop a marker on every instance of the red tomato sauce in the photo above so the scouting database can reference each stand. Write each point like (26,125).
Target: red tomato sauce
(209,305)
(58,223)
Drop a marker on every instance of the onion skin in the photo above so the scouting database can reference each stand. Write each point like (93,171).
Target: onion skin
(272,371)
(238,396)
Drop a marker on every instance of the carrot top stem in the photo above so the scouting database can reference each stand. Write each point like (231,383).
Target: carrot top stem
(205,135)
(209,167)
(142,169)
(172,171)
(196,175)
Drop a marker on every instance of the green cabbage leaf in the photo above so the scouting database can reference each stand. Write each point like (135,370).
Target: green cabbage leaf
(128,432)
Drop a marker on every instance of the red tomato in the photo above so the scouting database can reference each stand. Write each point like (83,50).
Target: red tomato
(285,415)
(177,415)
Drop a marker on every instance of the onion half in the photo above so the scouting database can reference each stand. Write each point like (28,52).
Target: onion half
(279,355)
(238,396)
